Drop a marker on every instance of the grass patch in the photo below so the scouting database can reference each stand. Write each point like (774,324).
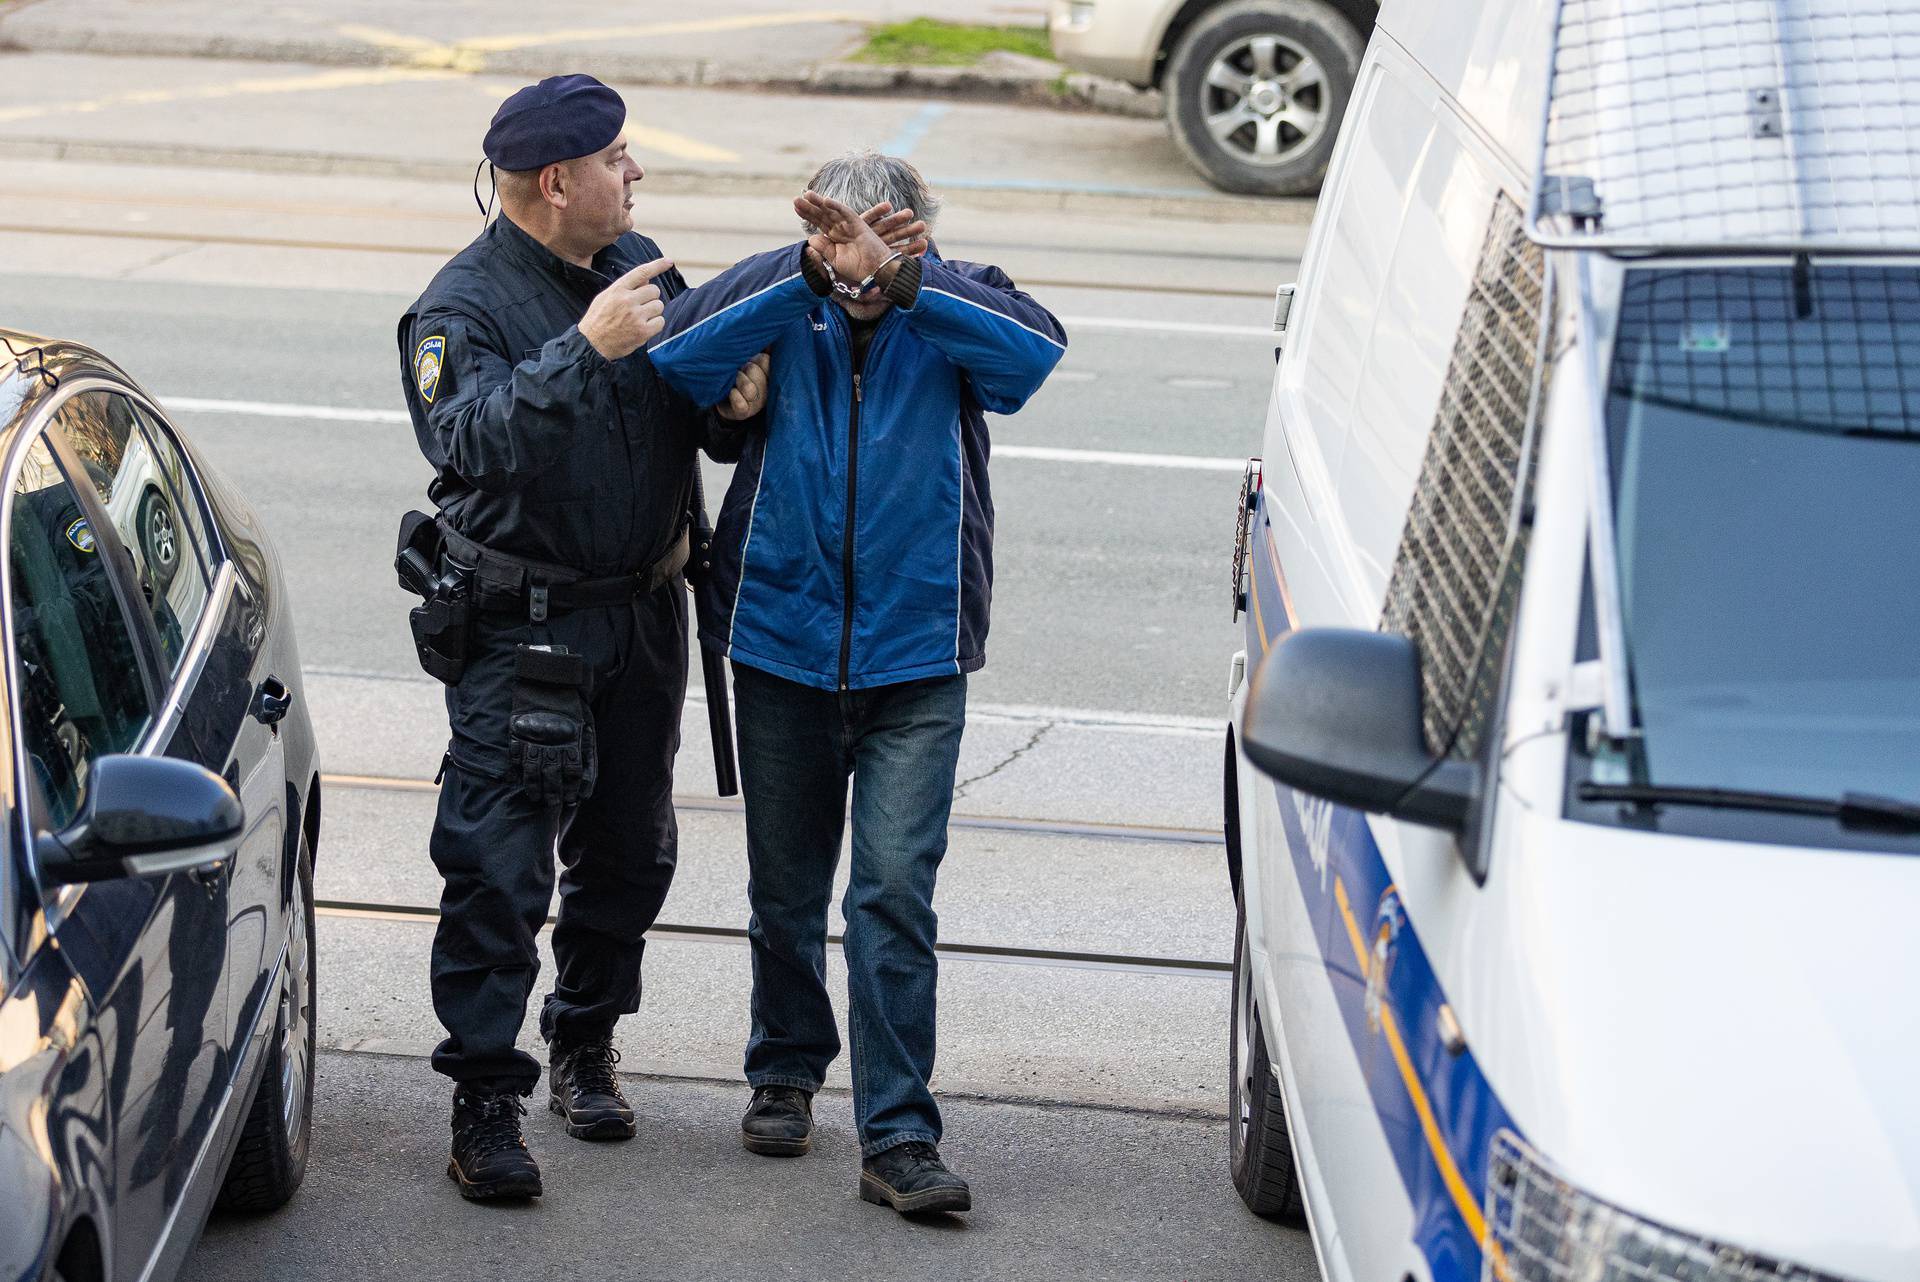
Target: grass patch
(928,42)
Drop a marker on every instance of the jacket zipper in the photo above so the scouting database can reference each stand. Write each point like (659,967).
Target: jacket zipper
(846,542)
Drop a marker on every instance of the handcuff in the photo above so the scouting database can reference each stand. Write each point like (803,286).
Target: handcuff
(860,290)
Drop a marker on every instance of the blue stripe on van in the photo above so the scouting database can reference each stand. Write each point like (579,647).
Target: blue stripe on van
(1436,1109)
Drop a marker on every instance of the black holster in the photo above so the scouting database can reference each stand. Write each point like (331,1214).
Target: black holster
(442,622)
(550,740)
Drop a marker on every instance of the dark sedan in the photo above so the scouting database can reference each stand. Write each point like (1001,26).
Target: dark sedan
(161,807)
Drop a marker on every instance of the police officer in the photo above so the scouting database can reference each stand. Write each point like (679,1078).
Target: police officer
(557,614)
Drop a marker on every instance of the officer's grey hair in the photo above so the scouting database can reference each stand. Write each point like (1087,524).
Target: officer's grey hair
(518,185)
(862,179)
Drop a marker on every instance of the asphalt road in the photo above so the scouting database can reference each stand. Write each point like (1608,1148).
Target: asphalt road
(1085,1096)
(1110,582)
(1085,1194)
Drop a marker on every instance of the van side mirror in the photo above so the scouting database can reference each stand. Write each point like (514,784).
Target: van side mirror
(1336,712)
(144,817)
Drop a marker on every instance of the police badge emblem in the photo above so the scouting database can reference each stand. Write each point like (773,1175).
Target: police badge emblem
(80,534)
(426,365)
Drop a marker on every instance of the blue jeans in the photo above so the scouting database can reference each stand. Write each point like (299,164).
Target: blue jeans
(900,745)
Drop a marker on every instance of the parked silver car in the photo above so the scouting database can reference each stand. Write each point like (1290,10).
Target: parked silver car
(1255,89)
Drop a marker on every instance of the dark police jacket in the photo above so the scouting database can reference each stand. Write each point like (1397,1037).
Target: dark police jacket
(542,447)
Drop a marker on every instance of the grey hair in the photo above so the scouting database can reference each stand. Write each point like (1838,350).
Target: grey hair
(862,179)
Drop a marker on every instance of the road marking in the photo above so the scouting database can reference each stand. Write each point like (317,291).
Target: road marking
(424,53)
(469,56)
(264,409)
(1130,325)
(1120,458)
(345,79)
(914,130)
(678,146)
(1025,453)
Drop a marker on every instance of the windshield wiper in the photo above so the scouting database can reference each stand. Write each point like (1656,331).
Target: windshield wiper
(1852,809)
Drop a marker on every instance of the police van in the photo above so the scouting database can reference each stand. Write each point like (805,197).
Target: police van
(1573,776)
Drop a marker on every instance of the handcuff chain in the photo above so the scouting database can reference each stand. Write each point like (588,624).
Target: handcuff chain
(856,291)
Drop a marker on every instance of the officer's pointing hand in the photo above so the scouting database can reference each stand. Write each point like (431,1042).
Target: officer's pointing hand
(625,314)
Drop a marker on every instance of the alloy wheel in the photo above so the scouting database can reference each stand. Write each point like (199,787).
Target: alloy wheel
(163,544)
(296,1017)
(1265,100)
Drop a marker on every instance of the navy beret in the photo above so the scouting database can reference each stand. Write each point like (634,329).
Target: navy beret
(560,118)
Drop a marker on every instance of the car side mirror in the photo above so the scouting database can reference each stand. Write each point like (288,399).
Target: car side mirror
(1336,712)
(144,817)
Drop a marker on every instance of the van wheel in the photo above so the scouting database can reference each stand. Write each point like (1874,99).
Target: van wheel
(1255,91)
(272,1157)
(1259,1148)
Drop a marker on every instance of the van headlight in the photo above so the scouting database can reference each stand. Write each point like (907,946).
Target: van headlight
(1540,1228)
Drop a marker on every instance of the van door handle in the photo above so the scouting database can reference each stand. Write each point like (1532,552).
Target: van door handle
(271,702)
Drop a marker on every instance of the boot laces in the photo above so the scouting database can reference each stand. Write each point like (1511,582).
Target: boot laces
(494,1124)
(590,1068)
(792,1096)
(919,1151)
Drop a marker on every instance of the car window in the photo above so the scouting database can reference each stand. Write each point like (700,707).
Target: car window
(142,485)
(76,667)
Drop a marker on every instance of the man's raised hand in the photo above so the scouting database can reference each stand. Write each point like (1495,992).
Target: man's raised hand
(902,231)
(625,314)
(843,239)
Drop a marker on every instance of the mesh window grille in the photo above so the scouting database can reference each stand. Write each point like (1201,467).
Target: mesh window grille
(1455,576)
(1836,351)
(1756,123)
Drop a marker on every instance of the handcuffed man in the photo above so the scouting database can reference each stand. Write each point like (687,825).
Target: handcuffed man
(853,569)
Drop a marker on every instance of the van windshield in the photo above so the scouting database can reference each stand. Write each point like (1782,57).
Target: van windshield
(1765,437)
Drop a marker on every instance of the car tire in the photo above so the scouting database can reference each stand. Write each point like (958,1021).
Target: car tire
(272,1157)
(1259,1144)
(1255,92)
(159,539)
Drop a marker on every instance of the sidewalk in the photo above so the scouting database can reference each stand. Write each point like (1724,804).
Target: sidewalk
(729,43)
(427,122)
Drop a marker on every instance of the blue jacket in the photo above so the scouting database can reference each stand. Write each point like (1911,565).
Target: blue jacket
(855,545)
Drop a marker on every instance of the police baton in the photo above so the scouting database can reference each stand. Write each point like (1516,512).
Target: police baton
(726,771)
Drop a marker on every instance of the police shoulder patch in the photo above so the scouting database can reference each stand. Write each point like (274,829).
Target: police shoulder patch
(80,534)
(426,365)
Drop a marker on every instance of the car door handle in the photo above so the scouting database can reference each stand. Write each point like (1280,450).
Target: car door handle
(271,702)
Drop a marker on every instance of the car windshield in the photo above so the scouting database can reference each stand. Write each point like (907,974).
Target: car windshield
(1765,436)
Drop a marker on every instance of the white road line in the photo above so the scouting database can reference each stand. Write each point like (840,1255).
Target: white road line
(1120,458)
(1031,453)
(1164,326)
(267,409)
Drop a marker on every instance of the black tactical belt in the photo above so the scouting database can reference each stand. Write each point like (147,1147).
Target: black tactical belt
(510,584)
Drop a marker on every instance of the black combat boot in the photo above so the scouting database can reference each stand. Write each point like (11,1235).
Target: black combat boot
(584,1091)
(779,1121)
(911,1179)
(490,1160)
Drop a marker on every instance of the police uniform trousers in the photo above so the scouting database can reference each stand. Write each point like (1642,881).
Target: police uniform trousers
(494,846)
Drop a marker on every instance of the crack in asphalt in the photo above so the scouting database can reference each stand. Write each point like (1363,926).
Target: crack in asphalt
(960,789)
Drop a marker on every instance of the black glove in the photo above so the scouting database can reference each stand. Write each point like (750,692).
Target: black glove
(550,742)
